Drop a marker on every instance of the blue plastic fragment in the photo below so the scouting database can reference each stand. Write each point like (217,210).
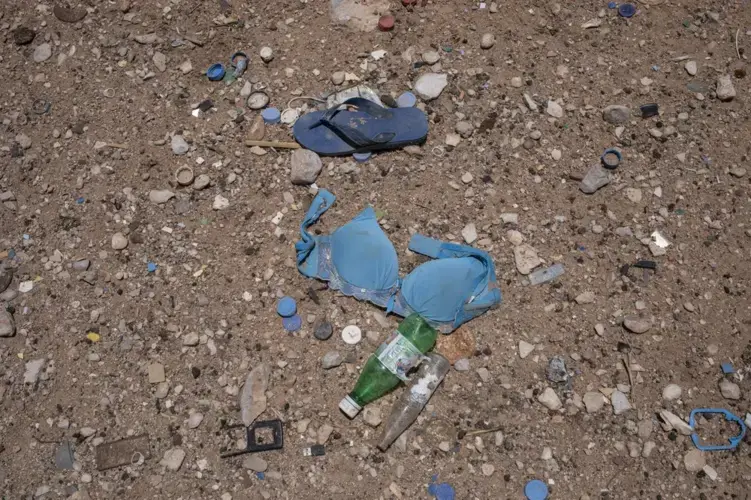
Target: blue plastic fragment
(406,100)
(612,5)
(727,368)
(11,253)
(627,10)
(286,307)
(239,61)
(441,491)
(733,441)
(292,324)
(362,157)
(271,115)
(536,490)
(81,200)
(215,72)
(151,267)
(261,475)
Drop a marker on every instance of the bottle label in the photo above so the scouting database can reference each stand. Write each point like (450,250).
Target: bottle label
(399,355)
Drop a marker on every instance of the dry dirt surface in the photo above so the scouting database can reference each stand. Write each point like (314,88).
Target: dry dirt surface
(108,280)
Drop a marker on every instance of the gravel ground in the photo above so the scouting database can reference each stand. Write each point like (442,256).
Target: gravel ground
(110,278)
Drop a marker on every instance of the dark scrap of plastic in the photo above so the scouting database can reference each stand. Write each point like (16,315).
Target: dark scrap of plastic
(206,105)
(441,491)
(64,456)
(253,446)
(316,450)
(646,264)
(648,110)
(41,106)
(733,441)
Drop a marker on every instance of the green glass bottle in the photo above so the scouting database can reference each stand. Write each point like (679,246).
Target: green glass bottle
(391,363)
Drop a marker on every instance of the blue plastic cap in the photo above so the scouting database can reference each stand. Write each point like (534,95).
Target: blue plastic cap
(286,307)
(215,72)
(362,157)
(442,491)
(271,115)
(612,5)
(627,10)
(292,324)
(536,490)
(406,100)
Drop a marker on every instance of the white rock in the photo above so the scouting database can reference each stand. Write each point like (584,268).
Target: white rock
(372,416)
(430,85)
(516,82)
(160,196)
(267,54)
(305,166)
(525,349)
(549,399)
(620,402)
(469,233)
(634,195)
(160,61)
(173,459)
(186,67)
(649,446)
(179,145)
(119,241)
(671,392)
(725,89)
(672,421)
(587,297)
(42,53)
(220,202)
(431,57)
(593,401)
(488,469)
(694,460)
(7,325)
(690,67)
(194,420)
(453,140)
(554,109)
(253,396)
(730,390)
(526,259)
(556,154)
(616,114)
(191,339)
(33,369)
(337,78)
(255,463)
(487,41)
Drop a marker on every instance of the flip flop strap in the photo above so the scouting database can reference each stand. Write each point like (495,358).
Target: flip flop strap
(349,133)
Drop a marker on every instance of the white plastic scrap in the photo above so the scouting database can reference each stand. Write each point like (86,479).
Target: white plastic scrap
(660,240)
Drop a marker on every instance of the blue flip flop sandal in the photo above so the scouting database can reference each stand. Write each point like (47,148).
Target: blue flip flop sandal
(340,131)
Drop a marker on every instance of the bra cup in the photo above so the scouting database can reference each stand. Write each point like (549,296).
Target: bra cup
(363,255)
(438,289)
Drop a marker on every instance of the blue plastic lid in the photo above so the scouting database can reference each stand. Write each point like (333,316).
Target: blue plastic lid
(362,157)
(536,490)
(406,100)
(271,115)
(627,9)
(612,5)
(286,307)
(292,324)
(215,72)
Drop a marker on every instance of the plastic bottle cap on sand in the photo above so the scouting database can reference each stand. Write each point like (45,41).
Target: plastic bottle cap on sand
(292,324)
(271,115)
(611,158)
(406,100)
(286,307)
(351,334)
(386,23)
(362,157)
(215,72)
(536,490)
(627,9)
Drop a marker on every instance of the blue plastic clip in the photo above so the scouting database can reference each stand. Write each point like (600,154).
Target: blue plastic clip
(734,441)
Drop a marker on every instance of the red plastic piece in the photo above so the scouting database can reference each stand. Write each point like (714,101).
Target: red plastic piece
(386,23)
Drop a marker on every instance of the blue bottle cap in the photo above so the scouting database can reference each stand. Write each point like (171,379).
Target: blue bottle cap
(406,100)
(627,10)
(362,157)
(286,307)
(292,324)
(611,158)
(215,72)
(271,115)
(536,490)
(612,5)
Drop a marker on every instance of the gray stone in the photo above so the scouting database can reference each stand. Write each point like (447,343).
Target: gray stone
(730,390)
(694,460)
(306,165)
(431,57)
(42,52)
(597,176)
(173,459)
(7,325)
(255,463)
(81,265)
(691,68)
(338,77)
(525,258)
(201,182)
(549,399)
(323,330)
(616,114)
(725,89)
(554,109)
(644,428)
(372,416)
(465,129)
(253,395)
(331,359)
(525,349)
(194,420)
(430,85)
(361,15)
(585,298)
(557,371)
(620,402)
(469,233)
(220,202)
(671,392)
(324,432)
(160,61)
(179,145)
(190,339)
(635,324)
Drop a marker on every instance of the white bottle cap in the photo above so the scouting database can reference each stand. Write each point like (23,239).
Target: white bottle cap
(351,334)
(349,407)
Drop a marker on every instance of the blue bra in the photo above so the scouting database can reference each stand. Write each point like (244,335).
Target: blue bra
(359,260)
